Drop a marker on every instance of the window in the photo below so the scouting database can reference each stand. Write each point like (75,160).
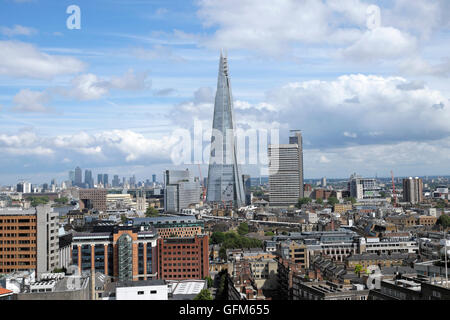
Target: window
(153,292)
(140,292)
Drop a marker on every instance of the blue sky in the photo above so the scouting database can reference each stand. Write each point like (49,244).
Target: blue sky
(369,98)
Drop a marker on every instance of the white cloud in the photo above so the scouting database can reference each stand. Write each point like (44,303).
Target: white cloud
(30,101)
(17,30)
(21,59)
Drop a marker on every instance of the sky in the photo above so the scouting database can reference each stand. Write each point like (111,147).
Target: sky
(365,81)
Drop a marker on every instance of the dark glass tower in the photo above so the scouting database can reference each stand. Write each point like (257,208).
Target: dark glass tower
(224,175)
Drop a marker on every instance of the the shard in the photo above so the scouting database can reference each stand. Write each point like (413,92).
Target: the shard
(225,184)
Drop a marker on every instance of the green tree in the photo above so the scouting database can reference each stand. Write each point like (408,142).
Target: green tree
(444,221)
(210,281)
(319,201)
(351,199)
(303,201)
(332,201)
(62,200)
(269,234)
(243,228)
(151,212)
(358,269)
(123,218)
(217,237)
(205,294)
(223,253)
(35,201)
(440,204)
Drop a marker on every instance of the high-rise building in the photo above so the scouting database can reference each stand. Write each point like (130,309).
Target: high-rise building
(88,180)
(224,174)
(99,178)
(29,239)
(78,176)
(116,181)
(363,188)
(24,187)
(154,178)
(286,172)
(181,190)
(324,182)
(246,181)
(72,176)
(413,190)
(105,179)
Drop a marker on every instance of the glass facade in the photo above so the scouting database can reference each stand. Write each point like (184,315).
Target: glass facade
(224,176)
(125,250)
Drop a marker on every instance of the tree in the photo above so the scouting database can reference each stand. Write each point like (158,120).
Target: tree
(358,269)
(319,201)
(223,253)
(210,281)
(303,201)
(35,201)
(62,200)
(151,212)
(123,218)
(332,201)
(243,229)
(217,237)
(351,199)
(269,234)
(205,294)
(444,221)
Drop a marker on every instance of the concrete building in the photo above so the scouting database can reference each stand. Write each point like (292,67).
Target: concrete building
(181,190)
(94,199)
(286,172)
(142,290)
(172,226)
(325,290)
(29,239)
(363,188)
(413,190)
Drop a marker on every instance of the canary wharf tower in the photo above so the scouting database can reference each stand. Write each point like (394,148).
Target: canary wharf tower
(225,184)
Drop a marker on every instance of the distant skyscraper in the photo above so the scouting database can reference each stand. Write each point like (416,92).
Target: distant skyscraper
(363,188)
(116,181)
(324,181)
(286,172)
(78,176)
(24,187)
(99,178)
(72,176)
(181,190)
(153,178)
(412,190)
(88,180)
(105,179)
(224,174)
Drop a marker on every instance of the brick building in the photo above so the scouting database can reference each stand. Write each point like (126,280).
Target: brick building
(183,258)
(93,199)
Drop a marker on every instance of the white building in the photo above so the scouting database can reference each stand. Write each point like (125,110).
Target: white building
(142,290)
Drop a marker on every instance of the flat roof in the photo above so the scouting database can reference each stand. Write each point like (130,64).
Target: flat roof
(140,283)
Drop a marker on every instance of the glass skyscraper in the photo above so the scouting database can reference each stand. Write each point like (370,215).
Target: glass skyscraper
(224,175)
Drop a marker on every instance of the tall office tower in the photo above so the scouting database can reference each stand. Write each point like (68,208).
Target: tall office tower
(154,178)
(105,179)
(413,190)
(24,187)
(324,182)
(72,176)
(224,175)
(286,172)
(133,181)
(78,176)
(37,249)
(99,178)
(181,190)
(116,181)
(88,180)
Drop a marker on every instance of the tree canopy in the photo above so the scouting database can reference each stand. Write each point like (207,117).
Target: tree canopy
(444,221)
(319,201)
(35,201)
(151,212)
(205,294)
(243,229)
(332,201)
(303,201)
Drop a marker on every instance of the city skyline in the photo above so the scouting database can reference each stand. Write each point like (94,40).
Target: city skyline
(112,107)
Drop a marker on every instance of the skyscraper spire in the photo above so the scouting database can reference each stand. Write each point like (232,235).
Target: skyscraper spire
(224,175)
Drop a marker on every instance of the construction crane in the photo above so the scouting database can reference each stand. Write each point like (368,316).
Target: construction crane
(393,189)
(201,183)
